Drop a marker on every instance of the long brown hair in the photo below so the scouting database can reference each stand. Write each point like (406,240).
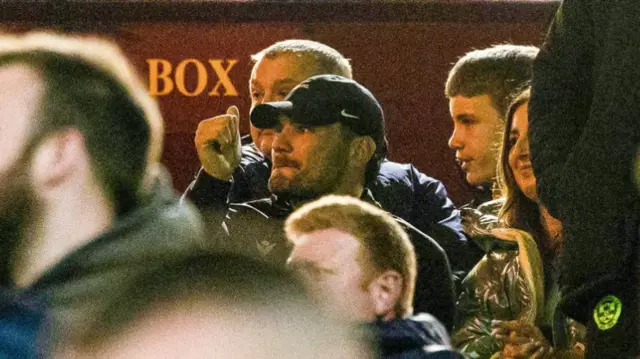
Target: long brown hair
(518,211)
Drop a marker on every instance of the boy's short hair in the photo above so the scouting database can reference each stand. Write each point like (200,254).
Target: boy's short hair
(500,71)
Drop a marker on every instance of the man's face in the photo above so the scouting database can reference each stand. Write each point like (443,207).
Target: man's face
(477,129)
(330,264)
(271,80)
(308,161)
(19,95)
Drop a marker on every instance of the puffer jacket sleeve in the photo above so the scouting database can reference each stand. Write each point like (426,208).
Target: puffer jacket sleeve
(499,287)
(493,290)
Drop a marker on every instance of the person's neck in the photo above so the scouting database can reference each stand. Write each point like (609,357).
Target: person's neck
(484,193)
(391,315)
(355,190)
(64,225)
(552,228)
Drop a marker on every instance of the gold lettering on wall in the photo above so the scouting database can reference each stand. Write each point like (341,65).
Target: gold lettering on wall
(156,77)
(223,77)
(163,80)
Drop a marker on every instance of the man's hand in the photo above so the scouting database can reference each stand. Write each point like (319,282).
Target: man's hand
(521,340)
(218,144)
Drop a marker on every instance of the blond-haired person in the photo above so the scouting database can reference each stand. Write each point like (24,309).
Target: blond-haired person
(360,266)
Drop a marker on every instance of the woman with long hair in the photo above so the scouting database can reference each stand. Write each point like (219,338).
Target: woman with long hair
(508,303)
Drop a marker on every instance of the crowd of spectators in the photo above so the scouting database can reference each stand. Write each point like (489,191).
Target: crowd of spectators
(303,239)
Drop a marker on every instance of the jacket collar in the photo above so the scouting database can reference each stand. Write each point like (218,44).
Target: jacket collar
(283,204)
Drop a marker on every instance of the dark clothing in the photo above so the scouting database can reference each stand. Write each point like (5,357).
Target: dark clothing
(256,229)
(249,183)
(418,337)
(23,327)
(622,340)
(584,132)
(481,194)
(400,188)
(159,229)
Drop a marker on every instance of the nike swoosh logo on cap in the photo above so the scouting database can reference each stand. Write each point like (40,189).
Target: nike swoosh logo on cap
(345,114)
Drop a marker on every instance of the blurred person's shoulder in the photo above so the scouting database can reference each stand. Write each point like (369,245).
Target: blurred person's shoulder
(160,228)
(24,326)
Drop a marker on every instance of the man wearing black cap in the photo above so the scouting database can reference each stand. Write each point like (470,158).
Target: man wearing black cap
(329,139)
(236,169)
(346,120)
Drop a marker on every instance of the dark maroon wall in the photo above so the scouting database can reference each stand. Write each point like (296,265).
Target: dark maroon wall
(402,52)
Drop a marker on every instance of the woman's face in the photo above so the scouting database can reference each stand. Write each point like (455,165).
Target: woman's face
(519,161)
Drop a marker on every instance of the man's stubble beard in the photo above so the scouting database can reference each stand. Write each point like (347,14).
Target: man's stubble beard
(292,188)
(300,188)
(18,210)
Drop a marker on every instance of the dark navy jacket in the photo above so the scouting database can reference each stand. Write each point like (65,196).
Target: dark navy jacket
(418,337)
(399,188)
(23,327)
(256,229)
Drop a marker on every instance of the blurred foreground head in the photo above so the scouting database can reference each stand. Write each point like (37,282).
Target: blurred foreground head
(215,306)
(78,129)
(85,86)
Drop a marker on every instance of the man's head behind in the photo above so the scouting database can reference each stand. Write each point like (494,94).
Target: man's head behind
(18,206)
(218,305)
(77,127)
(327,60)
(329,137)
(357,261)
(283,65)
(480,87)
(89,87)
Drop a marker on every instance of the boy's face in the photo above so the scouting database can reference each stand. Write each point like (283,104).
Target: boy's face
(477,130)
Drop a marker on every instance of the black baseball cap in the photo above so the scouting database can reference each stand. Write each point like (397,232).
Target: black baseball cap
(324,100)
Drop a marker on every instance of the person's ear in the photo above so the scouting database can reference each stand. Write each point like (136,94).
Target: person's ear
(362,149)
(57,158)
(386,290)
